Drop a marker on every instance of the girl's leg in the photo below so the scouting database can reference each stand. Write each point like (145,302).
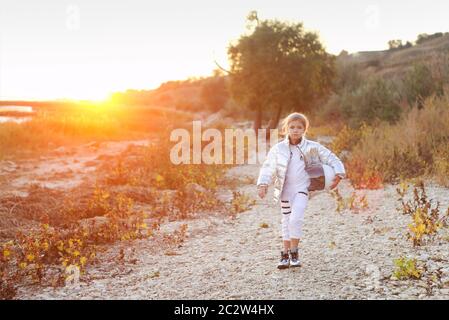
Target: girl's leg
(296,219)
(286,211)
(286,245)
(294,243)
(285,234)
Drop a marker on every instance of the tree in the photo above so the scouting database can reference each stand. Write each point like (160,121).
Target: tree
(214,93)
(423,37)
(408,44)
(395,44)
(279,67)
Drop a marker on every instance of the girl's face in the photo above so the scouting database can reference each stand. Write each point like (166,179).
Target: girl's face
(295,129)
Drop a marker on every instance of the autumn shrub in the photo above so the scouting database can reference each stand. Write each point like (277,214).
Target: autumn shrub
(96,201)
(363,174)
(240,202)
(192,186)
(426,217)
(355,202)
(188,203)
(152,167)
(120,174)
(412,147)
(347,138)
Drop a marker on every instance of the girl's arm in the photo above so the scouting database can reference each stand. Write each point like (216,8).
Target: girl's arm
(268,168)
(329,158)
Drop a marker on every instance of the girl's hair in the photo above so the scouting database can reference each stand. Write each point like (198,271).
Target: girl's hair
(292,117)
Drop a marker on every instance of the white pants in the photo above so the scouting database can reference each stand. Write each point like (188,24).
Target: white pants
(293,215)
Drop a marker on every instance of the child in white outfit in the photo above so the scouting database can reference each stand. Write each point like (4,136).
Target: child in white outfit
(295,191)
(294,196)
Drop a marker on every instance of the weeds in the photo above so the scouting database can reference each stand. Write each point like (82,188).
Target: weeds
(177,237)
(407,269)
(355,203)
(426,218)
(240,202)
(34,255)
(186,204)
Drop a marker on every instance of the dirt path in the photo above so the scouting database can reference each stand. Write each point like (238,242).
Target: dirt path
(344,256)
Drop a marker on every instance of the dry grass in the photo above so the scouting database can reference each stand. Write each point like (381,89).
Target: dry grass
(72,124)
(414,146)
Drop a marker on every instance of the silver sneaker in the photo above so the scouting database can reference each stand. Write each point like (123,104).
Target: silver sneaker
(284,263)
(294,261)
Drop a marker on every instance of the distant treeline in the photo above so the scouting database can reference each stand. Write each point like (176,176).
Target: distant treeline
(194,94)
(398,44)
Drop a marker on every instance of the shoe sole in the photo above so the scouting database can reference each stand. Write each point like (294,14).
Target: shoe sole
(295,266)
(283,267)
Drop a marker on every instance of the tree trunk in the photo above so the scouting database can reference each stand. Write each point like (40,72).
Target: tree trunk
(273,124)
(276,118)
(258,119)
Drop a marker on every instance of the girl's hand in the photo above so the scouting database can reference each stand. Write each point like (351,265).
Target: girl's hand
(335,182)
(262,190)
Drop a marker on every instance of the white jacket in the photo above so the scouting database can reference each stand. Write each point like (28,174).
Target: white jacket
(278,158)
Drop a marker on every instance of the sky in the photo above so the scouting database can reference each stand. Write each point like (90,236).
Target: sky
(87,49)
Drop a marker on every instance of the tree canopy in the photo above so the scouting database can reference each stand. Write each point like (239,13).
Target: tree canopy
(279,66)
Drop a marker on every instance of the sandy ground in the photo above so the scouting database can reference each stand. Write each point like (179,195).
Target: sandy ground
(344,255)
(63,169)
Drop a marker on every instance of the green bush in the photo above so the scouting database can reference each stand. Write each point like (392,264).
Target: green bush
(419,84)
(407,269)
(373,101)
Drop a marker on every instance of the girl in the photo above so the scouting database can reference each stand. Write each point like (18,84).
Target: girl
(290,160)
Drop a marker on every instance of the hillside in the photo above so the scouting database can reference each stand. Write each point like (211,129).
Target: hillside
(395,63)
